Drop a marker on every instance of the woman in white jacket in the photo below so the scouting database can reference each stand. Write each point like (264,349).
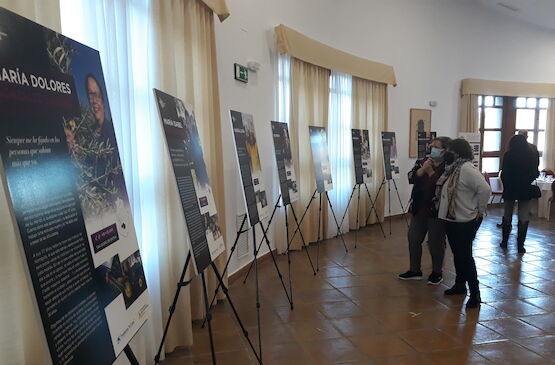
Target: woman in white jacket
(462,194)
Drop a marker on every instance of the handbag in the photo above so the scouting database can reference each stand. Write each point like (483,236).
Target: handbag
(535,192)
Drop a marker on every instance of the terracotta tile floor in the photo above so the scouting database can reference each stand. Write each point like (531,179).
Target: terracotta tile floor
(355,311)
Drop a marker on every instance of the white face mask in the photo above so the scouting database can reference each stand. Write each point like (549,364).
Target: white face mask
(436,153)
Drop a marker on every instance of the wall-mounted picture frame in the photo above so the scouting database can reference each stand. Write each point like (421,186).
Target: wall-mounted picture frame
(420,121)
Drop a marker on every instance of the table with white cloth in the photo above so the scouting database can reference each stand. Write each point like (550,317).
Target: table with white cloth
(545,187)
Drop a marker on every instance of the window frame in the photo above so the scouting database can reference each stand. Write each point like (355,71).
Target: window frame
(508,126)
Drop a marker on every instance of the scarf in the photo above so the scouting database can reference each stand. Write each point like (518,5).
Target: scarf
(451,176)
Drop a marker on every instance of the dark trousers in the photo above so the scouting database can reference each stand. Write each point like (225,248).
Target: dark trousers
(524,207)
(435,229)
(461,236)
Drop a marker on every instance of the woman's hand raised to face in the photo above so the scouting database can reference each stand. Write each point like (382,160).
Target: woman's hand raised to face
(428,167)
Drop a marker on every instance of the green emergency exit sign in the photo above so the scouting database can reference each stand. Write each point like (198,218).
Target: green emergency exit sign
(241,73)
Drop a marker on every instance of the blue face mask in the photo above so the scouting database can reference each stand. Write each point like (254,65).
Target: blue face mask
(436,153)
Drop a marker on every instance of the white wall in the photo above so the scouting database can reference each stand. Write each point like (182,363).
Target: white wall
(432,44)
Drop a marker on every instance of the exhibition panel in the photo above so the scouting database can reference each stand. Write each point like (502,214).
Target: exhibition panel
(361,156)
(249,165)
(68,194)
(362,160)
(199,208)
(285,166)
(320,158)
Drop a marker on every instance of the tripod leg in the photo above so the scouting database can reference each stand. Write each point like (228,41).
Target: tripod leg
(336,223)
(288,256)
(172,308)
(374,209)
(348,203)
(208,317)
(298,229)
(257,293)
(235,313)
(262,240)
(252,262)
(318,239)
(401,203)
(305,246)
(377,195)
(389,202)
(275,262)
(358,209)
(239,233)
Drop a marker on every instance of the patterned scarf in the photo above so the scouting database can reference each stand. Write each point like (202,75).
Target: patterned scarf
(451,176)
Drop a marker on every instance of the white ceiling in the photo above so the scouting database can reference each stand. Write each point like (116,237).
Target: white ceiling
(537,12)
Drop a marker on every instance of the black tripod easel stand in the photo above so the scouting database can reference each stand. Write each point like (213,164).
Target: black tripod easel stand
(372,208)
(288,243)
(233,247)
(389,200)
(257,249)
(208,317)
(320,218)
(304,244)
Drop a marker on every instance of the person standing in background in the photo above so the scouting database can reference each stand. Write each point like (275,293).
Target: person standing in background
(524,132)
(462,195)
(424,176)
(520,169)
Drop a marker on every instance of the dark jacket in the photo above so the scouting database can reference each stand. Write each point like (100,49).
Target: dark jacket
(519,169)
(423,191)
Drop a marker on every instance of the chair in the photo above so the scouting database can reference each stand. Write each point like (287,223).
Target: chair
(550,200)
(496,187)
(496,190)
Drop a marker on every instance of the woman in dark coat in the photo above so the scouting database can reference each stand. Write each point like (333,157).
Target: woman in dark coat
(519,170)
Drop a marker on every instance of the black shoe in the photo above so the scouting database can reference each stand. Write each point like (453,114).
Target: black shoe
(411,275)
(506,232)
(521,236)
(435,279)
(456,289)
(474,301)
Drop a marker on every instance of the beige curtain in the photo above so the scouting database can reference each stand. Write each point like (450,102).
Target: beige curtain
(468,114)
(549,151)
(309,106)
(186,60)
(370,112)
(21,334)
(507,88)
(219,7)
(311,51)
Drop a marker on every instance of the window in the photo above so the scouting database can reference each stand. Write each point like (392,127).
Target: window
(284,88)
(338,129)
(501,117)
(531,115)
(339,136)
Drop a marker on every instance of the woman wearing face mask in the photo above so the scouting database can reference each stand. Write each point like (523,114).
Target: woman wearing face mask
(424,220)
(462,195)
